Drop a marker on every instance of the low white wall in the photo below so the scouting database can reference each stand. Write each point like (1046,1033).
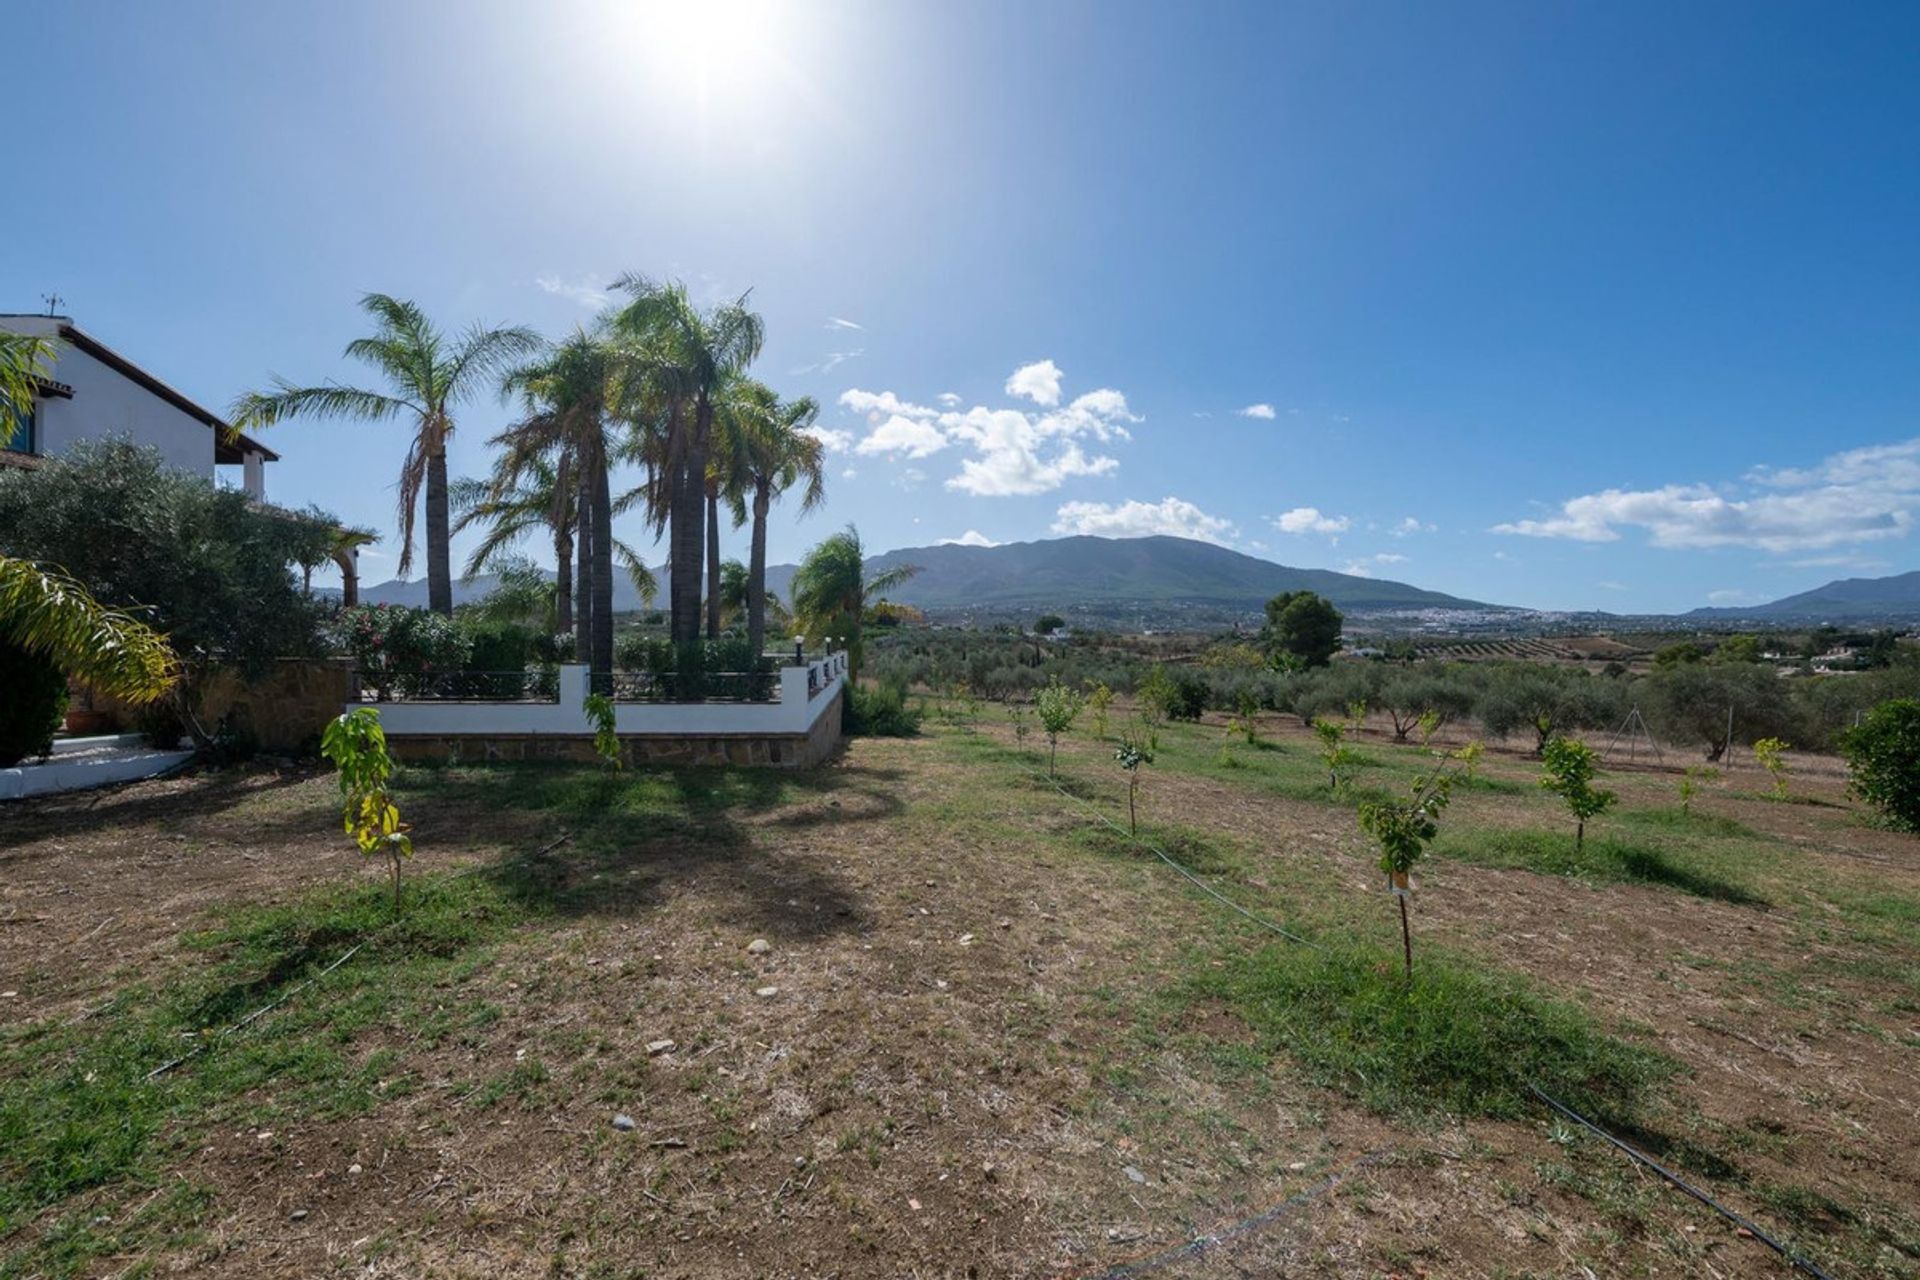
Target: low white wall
(80,771)
(794,713)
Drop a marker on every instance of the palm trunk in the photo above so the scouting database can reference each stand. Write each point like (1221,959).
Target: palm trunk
(563,580)
(685,538)
(713,560)
(439,540)
(757,575)
(602,570)
(583,575)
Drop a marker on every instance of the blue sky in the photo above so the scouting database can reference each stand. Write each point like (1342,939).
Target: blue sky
(1563,305)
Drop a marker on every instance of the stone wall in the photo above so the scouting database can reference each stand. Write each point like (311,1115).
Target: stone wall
(286,709)
(780,751)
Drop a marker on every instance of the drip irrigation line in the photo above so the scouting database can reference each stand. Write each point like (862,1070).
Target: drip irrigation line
(1199,1245)
(1186,874)
(1746,1224)
(348,954)
(1793,1259)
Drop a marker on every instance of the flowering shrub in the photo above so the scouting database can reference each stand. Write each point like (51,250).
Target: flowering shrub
(394,645)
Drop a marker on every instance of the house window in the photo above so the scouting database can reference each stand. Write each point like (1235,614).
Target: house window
(24,439)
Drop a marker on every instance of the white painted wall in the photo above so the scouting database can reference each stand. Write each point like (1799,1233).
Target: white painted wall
(795,712)
(106,403)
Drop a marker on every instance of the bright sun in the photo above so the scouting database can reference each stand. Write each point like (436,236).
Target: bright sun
(717,51)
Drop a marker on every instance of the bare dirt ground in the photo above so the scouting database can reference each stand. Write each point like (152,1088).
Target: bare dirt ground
(955,1059)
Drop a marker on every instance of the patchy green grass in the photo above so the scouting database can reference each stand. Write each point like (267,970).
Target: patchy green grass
(1676,820)
(1603,859)
(1458,1038)
(79,1112)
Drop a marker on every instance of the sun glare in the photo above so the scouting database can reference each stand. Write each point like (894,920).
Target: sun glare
(721,54)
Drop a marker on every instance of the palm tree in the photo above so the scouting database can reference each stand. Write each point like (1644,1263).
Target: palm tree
(566,396)
(831,590)
(427,375)
(682,359)
(540,494)
(772,451)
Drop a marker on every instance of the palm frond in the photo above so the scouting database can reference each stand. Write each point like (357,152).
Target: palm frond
(52,615)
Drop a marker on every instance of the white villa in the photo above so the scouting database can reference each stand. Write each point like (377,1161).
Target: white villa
(93,392)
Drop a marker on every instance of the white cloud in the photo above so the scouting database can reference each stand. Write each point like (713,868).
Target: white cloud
(911,478)
(1845,560)
(1262,411)
(1309,520)
(1611,585)
(951,399)
(1410,524)
(1015,452)
(832,439)
(835,322)
(851,473)
(1358,569)
(1172,517)
(1389,557)
(1862,495)
(911,437)
(832,360)
(583,290)
(971,538)
(880,405)
(1726,595)
(1038,382)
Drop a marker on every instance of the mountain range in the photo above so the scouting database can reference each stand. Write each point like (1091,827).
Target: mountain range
(1108,579)
(1165,582)
(1890,599)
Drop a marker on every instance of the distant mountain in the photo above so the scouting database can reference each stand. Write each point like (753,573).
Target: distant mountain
(1161,580)
(1106,576)
(1892,599)
(414,592)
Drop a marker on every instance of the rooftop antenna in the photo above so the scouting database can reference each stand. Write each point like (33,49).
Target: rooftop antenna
(53,301)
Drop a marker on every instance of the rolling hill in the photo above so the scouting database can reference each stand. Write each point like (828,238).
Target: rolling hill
(1101,575)
(1895,598)
(1159,578)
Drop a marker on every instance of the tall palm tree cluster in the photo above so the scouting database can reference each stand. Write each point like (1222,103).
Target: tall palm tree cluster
(656,389)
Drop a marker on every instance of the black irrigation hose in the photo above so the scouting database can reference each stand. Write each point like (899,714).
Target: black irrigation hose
(1747,1224)
(1200,1244)
(1793,1259)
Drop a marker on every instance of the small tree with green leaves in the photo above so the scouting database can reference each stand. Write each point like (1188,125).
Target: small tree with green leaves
(1017,713)
(1057,705)
(1333,749)
(1099,699)
(606,740)
(1883,761)
(1429,723)
(1569,767)
(357,745)
(1403,830)
(1469,758)
(1690,785)
(1357,713)
(1134,751)
(1772,755)
(1246,706)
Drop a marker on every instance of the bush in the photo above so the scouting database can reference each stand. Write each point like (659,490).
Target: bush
(500,646)
(395,645)
(638,651)
(880,712)
(1883,755)
(33,701)
(160,724)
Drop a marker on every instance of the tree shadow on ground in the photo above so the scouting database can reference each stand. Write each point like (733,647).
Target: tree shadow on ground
(634,841)
(173,801)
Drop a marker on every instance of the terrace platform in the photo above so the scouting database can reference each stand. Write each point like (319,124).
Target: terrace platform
(786,718)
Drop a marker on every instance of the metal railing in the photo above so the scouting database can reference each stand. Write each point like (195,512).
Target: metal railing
(701,686)
(458,686)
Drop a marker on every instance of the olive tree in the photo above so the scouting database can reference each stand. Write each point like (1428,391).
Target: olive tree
(1569,768)
(1715,705)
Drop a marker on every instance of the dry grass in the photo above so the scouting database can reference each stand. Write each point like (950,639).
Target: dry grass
(986,1017)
